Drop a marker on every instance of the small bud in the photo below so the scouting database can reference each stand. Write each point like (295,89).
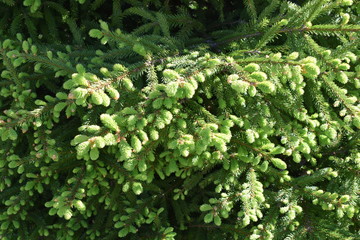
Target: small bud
(345,2)
(342,77)
(326,53)
(345,18)
(356,121)
(344,198)
(79,205)
(293,56)
(171,74)
(252,67)
(308,24)
(344,66)
(96,98)
(252,91)
(109,122)
(67,214)
(278,163)
(259,76)
(266,86)
(137,188)
(311,70)
(240,86)
(283,22)
(232,77)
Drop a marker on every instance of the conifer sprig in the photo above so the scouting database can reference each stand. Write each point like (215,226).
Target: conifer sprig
(195,120)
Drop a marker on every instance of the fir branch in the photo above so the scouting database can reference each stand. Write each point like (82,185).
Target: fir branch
(251,9)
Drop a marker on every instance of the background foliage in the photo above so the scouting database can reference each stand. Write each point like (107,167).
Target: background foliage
(179,119)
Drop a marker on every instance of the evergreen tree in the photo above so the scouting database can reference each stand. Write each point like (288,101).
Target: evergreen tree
(179,119)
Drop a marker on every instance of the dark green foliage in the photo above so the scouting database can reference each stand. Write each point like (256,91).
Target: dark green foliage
(179,119)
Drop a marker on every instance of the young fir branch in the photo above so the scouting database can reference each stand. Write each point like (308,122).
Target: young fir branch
(248,141)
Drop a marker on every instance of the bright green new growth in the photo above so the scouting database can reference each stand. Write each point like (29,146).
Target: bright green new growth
(179,119)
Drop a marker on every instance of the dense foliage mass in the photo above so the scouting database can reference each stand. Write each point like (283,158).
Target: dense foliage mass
(180,119)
